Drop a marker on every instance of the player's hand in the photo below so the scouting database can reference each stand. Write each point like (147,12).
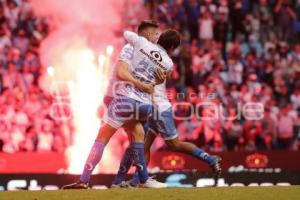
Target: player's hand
(149,88)
(160,76)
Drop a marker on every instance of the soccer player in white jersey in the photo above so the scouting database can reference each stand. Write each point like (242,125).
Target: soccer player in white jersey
(147,58)
(147,29)
(162,122)
(115,119)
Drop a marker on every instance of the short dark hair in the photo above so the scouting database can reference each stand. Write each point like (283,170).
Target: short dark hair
(169,39)
(147,24)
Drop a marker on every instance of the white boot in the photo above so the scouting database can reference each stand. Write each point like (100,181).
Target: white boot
(152,183)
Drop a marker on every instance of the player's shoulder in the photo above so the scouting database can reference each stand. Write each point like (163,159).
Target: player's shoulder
(145,41)
(126,53)
(169,61)
(128,46)
(165,56)
(127,49)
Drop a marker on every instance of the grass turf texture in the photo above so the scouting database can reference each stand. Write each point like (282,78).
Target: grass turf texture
(225,193)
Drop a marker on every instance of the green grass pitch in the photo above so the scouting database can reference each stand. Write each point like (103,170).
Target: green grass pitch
(225,193)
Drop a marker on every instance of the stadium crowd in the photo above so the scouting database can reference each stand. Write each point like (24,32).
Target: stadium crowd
(25,122)
(234,52)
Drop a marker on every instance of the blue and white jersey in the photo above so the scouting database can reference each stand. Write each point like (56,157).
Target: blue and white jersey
(125,55)
(160,99)
(147,57)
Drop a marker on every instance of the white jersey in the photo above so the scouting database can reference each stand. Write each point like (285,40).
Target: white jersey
(125,55)
(160,99)
(147,57)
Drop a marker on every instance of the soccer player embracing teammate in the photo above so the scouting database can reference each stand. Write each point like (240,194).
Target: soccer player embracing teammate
(145,66)
(131,104)
(161,120)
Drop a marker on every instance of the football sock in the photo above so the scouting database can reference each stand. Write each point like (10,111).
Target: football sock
(135,179)
(125,165)
(200,154)
(92,160)
(138,149)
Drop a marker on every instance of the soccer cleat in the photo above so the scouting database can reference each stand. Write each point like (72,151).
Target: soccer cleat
(116,186)
(124,184)
(216,167)
(152,183)
(76,186)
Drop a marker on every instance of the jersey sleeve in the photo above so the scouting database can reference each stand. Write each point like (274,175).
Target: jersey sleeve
(126,54)
(132,38)
(170,66)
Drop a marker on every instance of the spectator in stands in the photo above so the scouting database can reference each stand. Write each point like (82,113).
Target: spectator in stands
(206,24)
(237,19)
(208,6)
(285,16)
(27,78)
(30,141)
(192,8)
(266,19)
(21,41)
(253,134)
(197,68)
(4,39)
(221,30)
(223,9)
(10,78)
(186,128)
(209,130)
(179,15)
(233,129)
(269,129)
(45,136)
(235,71)
(255,62)
(11,12)
(295,99)
(285,129)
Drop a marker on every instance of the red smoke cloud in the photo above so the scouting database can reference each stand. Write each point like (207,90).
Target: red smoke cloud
(95,21)
(79,31)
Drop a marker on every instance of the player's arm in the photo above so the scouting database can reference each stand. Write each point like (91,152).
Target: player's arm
(124,75)
(169,75)
(160,76)
(132,38)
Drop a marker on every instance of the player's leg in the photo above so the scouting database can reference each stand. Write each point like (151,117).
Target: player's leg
(111,123)
(142,163)
(169,133)
(192,149)
(135,155)
(137,150)
(150,137)
(131,155)
(105,133)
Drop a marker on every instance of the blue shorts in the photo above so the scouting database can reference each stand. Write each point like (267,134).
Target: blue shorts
(123,109)
(163,123)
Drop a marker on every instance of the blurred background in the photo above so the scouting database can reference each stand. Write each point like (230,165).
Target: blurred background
(55,60)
